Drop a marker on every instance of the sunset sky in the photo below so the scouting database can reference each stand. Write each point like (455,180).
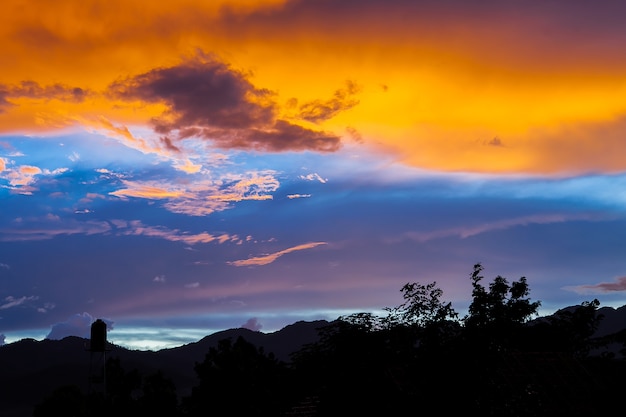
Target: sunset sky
(179,168)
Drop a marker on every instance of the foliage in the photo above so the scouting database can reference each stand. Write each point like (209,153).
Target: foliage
(238,379)
(496,314)
(422,306)
(494,361)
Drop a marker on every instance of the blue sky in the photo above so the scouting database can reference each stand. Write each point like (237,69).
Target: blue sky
(192,185)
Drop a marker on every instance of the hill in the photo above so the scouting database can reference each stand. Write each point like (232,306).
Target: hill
(31,369)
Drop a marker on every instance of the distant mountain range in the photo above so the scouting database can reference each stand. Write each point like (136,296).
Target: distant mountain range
(30,369)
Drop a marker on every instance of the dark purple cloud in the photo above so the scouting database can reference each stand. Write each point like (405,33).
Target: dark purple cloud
(4,95)
(32,89)
(282,136)
(319,110)
(553,32)
(209,99)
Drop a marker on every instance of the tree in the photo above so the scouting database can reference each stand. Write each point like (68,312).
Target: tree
(159,396)
(238,379)
(496,313)
(67,400)
(422,306)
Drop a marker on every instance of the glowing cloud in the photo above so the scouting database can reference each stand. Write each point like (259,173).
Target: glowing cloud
(268,259)
(146,190)
(204,196)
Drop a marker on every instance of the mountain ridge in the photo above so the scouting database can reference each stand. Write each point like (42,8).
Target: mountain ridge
(32,369)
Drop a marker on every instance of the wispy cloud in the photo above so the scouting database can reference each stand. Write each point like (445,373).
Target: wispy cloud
(136,228)
(148,189)
(33,231)
(601,288)
(10,301)
(269,258)
(314,177)
(468,231)
(320,110)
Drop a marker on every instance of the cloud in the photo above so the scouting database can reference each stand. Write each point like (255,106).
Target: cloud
(292,196)
(320,110)
(209,99)
(2,339)
(468,231)
(36,230)
(32,89)
(77,325)
(149,190)
(252,324)
(204,196)
(11,302)
(136,228)
(4,103)
(601,288)
(314,177)
(22,177)
(4,266)
(3,164)
(267,259)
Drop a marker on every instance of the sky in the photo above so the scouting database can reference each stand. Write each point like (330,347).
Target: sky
(180,168)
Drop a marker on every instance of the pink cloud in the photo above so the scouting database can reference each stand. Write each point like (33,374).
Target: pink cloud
(603,287)
(267,259)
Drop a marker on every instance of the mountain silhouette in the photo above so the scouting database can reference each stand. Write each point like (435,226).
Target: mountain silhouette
(32,369)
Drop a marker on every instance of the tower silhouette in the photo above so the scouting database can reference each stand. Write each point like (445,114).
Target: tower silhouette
(97,351)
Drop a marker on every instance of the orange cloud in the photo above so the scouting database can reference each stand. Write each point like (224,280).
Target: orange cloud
(267,259)
(437,81)
(143,190)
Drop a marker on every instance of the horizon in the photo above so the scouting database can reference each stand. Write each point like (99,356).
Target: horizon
(155,339)
(206,166)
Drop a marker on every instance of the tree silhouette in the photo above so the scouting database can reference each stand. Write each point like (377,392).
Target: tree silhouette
(496,314)
(67,400)
(159,397)
(238,379)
